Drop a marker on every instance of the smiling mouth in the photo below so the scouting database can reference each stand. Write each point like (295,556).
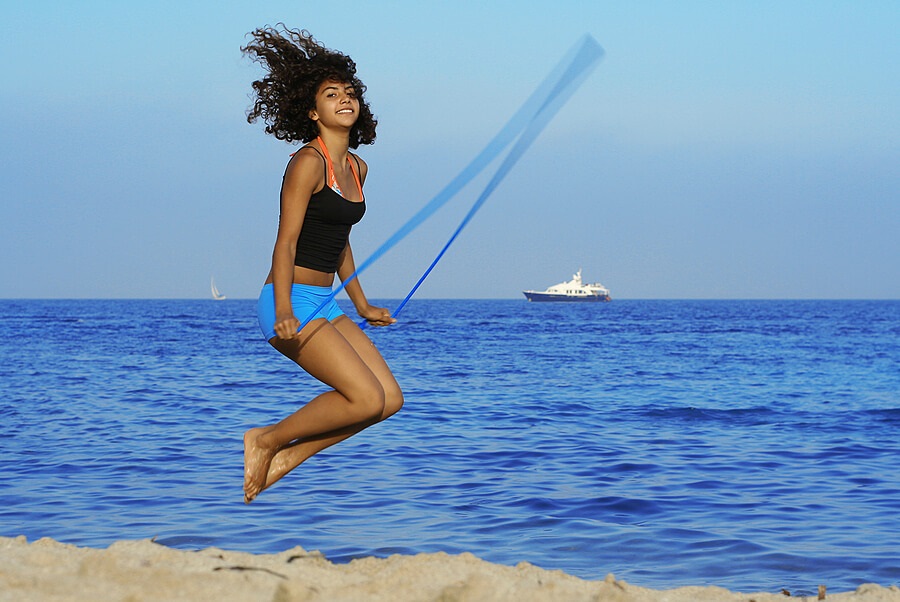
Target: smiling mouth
(345,111)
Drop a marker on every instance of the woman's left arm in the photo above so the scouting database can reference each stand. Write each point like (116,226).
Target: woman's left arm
(375,316)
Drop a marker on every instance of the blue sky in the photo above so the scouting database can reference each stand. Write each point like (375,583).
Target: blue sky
(720,150)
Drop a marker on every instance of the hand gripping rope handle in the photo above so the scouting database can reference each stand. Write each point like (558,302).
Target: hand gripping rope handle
(526,124)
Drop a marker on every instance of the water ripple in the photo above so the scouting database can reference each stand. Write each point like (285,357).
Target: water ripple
(750,445)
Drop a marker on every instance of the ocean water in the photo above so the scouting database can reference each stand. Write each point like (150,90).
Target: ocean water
(752,445)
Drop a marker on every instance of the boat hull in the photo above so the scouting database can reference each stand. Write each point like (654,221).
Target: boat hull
(550,297)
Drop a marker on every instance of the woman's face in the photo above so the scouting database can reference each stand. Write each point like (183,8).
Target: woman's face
(336,105)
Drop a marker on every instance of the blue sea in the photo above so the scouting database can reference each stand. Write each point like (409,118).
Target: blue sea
(752,445)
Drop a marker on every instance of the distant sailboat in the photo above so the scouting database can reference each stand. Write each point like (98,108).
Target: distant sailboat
(215,292)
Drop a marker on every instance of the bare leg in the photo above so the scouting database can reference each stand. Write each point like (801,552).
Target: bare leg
(342,356)
(261,444)
(291,456)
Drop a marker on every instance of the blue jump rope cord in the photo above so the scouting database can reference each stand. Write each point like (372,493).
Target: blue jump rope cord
(528,121)
(572,79)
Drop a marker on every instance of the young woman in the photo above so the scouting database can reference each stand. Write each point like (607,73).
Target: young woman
(311,94)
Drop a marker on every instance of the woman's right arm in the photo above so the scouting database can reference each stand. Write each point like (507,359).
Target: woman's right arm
(303,175)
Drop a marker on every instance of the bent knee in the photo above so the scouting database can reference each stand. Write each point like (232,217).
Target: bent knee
(393,401)
(369,404)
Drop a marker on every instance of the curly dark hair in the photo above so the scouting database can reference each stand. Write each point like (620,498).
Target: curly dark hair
(297,65)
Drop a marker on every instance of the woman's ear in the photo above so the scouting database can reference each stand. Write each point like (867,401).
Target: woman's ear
(314,115)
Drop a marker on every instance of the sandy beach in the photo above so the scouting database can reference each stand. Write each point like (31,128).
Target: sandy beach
(134,571)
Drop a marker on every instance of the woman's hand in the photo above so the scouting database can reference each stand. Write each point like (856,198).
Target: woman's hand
(286,326)
(376,316)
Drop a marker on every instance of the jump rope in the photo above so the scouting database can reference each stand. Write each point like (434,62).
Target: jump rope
(520,131)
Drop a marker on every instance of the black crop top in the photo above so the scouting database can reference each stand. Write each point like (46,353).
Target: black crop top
(326,229)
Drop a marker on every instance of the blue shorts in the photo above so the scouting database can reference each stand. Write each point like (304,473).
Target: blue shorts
(305,298)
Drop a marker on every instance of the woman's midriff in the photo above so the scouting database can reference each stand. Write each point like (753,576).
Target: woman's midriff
(308,276)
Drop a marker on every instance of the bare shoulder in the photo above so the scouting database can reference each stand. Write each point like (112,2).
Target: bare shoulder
(363,167)
(305,170)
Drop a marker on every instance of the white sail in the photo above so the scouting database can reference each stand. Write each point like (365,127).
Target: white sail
(215,292)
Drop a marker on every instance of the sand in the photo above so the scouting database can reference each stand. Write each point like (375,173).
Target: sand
(134,571)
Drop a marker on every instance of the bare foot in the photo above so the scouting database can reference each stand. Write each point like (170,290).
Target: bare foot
(287,459)
(256,464)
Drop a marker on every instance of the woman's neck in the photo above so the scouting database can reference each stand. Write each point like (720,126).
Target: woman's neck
(338,144)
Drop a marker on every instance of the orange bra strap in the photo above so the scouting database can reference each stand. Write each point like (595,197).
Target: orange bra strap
(332,179)
(362,197)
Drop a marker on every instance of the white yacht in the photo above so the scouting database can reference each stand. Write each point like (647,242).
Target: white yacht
(573,290)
